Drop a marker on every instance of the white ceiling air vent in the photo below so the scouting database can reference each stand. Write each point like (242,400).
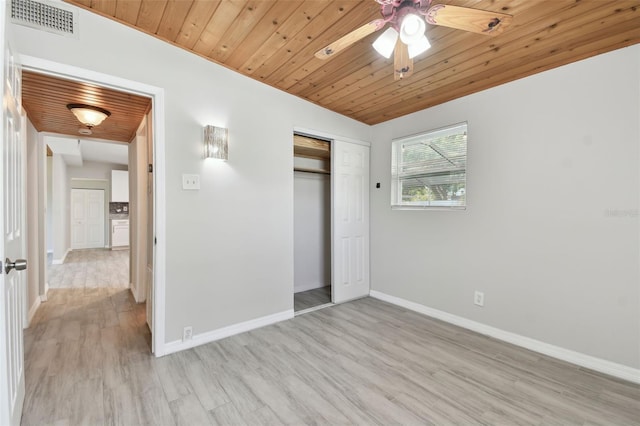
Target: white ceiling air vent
(49,16)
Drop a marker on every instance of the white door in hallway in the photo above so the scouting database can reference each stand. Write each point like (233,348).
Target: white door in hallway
(12,249)
(87,218)
(350,221)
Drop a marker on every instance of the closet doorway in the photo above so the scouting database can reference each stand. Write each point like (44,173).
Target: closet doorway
(312,223)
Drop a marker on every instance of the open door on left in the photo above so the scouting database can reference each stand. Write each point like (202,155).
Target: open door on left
(12,248)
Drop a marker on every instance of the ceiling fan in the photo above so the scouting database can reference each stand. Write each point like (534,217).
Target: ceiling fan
(407,21)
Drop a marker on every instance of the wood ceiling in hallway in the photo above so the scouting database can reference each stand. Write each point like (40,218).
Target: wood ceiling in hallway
(45,99)
(274,41)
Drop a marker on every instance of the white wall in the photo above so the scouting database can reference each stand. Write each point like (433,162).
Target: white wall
(312,231)
(44,195)
(94,170)
(229,245)
(60,208)
(551,232)
(34,254)
(49,203)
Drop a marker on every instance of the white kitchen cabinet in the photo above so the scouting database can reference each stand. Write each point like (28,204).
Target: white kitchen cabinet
(120,186)
(119,233)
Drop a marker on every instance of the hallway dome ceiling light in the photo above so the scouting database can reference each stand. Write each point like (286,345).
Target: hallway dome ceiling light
(89,115)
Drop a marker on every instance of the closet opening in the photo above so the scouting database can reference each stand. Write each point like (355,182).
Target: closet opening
(312,223)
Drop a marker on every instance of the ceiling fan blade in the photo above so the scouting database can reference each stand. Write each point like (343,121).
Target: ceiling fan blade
(464,18)
(349,39)
(402,63)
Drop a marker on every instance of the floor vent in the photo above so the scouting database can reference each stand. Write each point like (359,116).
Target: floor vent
(45,16)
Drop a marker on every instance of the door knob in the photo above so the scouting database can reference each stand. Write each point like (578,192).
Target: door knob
(18,265)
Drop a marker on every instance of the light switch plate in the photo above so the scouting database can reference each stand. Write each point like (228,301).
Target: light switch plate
(190,182)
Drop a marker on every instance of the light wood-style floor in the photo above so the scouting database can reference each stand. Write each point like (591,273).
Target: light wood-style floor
(364,362)
(311,298)
(91,268)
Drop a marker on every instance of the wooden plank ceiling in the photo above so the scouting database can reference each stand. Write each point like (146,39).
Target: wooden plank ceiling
(274,41)
(45,99)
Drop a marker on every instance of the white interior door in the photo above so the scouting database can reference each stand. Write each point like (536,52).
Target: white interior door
(350,221)
(94,203)
(78,214)
(87,218)
(12,249)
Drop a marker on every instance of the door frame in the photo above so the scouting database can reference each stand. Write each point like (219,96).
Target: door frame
(156,94)
(332,137)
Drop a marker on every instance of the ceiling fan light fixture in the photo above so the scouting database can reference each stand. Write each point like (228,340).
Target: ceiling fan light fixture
(412,28)
(421,46)
(386,42)
(89,115)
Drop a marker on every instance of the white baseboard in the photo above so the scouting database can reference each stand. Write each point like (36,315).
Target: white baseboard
(221,333)
(309,286)
(149,296)
(133,292)
(44,297)
(33,309)
(314,308)
(61,261)
(597,364)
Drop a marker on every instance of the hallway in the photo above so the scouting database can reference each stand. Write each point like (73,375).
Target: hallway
(75,355)
(91,268)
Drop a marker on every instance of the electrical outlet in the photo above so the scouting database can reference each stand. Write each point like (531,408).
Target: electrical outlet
(478,298)
(187,333)
(190,182)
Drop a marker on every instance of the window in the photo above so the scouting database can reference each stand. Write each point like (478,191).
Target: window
(429,169)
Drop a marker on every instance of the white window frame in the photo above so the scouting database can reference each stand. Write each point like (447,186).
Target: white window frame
(398,177)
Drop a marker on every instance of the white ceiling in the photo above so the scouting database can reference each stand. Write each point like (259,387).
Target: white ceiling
(76,151)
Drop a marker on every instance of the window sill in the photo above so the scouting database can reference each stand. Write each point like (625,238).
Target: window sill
(440,208)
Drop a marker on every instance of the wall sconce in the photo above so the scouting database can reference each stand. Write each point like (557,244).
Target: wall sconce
(216,141)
